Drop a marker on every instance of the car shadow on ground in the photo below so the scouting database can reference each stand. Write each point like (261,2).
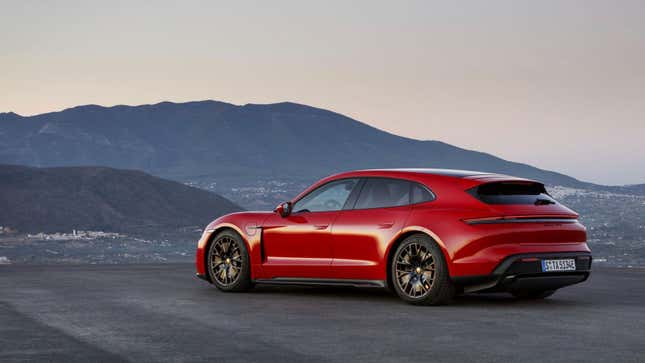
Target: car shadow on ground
(381,296)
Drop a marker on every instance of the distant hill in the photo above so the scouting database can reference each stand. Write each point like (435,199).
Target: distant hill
(633,189)
(222,141)
(99,198)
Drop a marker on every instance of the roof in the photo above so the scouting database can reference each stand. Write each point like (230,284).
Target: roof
(443,172)
(467,178)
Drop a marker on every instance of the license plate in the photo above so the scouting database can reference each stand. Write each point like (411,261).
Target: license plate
(568,264)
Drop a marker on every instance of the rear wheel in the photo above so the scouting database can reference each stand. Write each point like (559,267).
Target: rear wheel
(532,294)
(228,262)
(419,272)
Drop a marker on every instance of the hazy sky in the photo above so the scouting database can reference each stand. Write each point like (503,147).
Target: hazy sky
(557,84)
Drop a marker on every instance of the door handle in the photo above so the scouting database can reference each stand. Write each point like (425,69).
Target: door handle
(321,226)
(385,225)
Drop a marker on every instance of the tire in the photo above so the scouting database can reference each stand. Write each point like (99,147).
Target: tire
(419,272)
(228,262)
(532,294)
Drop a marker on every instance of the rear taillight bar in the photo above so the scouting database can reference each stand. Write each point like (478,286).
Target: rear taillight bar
(499,220)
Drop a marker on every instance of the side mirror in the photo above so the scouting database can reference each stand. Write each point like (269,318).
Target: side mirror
(283,209)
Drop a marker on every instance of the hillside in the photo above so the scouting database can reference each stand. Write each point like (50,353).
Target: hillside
(101,199)
(225,142)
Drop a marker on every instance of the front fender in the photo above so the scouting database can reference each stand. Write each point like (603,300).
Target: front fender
(247,224)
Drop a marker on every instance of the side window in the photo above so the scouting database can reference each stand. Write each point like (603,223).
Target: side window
(420,194)
(329,197)
(382,192)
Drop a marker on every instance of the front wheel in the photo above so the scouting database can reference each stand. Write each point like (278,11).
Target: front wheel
(228,262)
(419,272)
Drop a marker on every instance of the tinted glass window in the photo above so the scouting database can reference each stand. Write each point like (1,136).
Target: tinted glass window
(512,193)
(329,197)
(379,193)
(420,194)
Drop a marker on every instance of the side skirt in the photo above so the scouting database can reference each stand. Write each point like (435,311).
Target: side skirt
(321,282)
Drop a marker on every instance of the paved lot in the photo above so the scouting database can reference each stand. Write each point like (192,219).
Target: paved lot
(162,313)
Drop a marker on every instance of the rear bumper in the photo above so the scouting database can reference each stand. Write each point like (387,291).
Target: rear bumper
(524,272)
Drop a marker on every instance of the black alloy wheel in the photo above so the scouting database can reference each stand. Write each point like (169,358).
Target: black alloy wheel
(419,272)
(228,262)
(415,270)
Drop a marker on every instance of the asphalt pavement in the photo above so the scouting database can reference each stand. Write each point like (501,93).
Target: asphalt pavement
(157,313)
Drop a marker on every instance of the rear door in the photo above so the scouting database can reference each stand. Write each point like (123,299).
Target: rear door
(360,235)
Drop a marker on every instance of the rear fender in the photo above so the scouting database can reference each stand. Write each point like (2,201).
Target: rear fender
(419,229)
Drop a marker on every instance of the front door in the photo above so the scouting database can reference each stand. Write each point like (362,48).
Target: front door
(299,245)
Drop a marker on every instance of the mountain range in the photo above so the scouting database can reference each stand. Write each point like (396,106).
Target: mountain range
(61,199)
(252,155)
(222,141)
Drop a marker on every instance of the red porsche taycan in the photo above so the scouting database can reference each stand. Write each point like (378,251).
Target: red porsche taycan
(424,233)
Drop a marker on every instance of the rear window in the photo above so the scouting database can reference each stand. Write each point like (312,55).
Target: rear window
(512,193)
(381,193)
(385,192)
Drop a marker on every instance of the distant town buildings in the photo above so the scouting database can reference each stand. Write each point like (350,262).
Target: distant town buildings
(74,235)
(7,230)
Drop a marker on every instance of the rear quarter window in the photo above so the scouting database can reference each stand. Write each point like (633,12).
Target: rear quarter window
(420,194)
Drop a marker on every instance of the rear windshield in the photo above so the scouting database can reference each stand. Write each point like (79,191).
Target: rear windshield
(512,193)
